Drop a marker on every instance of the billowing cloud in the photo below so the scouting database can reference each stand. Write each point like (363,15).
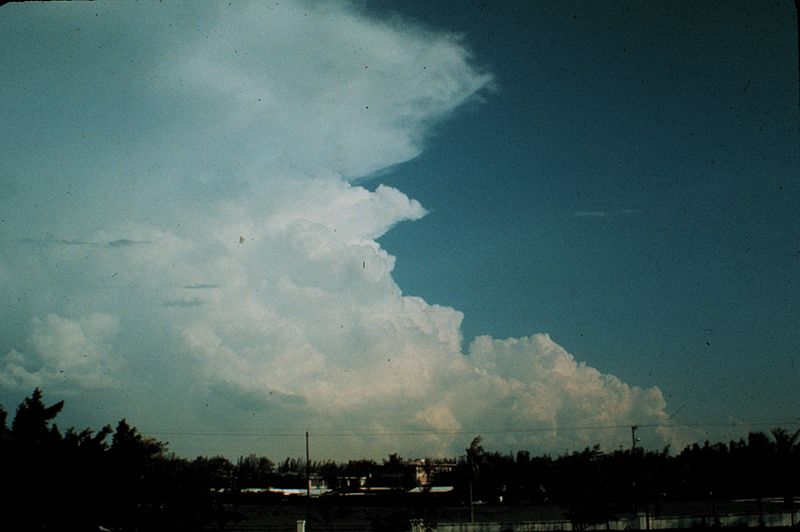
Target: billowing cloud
(221,270)
(65,354)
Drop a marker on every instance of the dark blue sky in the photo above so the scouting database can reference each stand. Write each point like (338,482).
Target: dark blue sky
(631,188)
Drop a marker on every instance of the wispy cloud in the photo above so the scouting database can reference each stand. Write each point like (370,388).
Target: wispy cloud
(58,241)
(124,242)
(183,303)
(119,243)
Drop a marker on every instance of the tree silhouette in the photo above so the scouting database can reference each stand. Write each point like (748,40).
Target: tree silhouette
(30,460)
(474,459)
(254,471)
(785,443)
(4,432)
(475,455)
(787,459)
(30,425)
(78,480)
(5,437)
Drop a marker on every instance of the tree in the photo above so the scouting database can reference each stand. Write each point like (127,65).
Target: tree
(254,471)
(785,443)
(77,481)
(137,481)
(475,454)
(30,425)
(396,473)
(5,435)
(4,432)
(216,472)
(787,459)
(474,459)
(31,460)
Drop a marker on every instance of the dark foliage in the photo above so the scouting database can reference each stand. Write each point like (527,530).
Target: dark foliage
(78,480)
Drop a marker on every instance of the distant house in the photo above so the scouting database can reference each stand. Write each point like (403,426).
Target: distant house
(315,491)
(352,483)
(426,470)
(432,489)
(397,475)
(293,485)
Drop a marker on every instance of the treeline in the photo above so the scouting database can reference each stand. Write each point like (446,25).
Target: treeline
(755,467)
(78,480)
(123,480)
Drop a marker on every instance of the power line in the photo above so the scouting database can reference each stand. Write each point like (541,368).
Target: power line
(435,432)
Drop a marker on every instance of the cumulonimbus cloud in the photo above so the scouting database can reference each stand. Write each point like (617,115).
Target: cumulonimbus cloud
(242,287)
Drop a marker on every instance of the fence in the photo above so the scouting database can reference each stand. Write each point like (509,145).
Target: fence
(780,519)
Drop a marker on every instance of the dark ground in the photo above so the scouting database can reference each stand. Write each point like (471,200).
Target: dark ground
(337,515)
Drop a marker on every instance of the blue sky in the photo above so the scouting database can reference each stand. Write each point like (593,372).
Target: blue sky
(631,188)
(369,220)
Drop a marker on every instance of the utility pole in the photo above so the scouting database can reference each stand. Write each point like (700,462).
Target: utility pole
(471,510)
(635,486)
(308,470)
(633,472)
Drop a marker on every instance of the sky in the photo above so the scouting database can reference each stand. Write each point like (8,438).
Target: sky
(398,225)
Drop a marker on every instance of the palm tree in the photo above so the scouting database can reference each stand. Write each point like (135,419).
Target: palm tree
(787,450)
(785,444)
(474,459)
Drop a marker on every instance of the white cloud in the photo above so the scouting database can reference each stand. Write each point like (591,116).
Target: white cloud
(65,354)
(319,89)
(564,391)
(231,278)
